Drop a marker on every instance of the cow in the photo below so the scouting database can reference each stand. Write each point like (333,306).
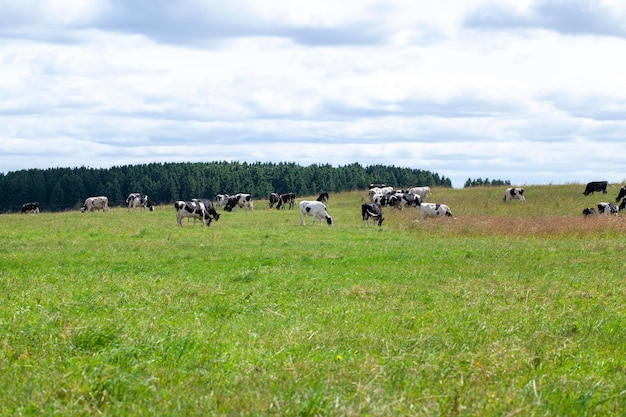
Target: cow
(315,209)
(372,211)
(221,200)
(286,199)
(274,199)
(239,200)
(423,191)
(30,208)
(196,210)
(513,193)
(434,210)
(621,194)
(622,206)
(589,211)
(608,208)
(323,198)
(95,204)
(595,186)
(135,200)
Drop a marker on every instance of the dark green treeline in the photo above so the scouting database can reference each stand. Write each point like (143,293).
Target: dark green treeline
(58,189)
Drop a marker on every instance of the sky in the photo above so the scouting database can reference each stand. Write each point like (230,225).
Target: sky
(530,91)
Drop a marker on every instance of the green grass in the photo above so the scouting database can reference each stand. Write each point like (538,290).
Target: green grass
(510,309)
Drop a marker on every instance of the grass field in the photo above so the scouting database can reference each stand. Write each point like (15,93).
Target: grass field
(511,309)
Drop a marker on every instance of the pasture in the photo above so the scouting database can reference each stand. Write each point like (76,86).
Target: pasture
(511,309)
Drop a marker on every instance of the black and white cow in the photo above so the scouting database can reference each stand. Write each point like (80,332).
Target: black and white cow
(135,200)
(372,211)
(608,208)
(595,186)
(621,194)
(315,209)
(221,200)
(30,208)
(196,210)
(239,200)
(286,199)
(95,204)
(423,191)
(589,211)
(274,199)
(622,205)
(434,210)
(323,198)
(514,193)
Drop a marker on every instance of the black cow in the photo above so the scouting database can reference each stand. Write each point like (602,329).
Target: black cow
(621,194)
(30,208)
(286,199)
(274,198)
(589,211)
(595,186)
(323,197)
(372,211)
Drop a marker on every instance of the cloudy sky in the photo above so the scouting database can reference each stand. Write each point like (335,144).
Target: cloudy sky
(532,91)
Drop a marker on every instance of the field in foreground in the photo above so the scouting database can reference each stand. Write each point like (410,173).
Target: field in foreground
(510,309)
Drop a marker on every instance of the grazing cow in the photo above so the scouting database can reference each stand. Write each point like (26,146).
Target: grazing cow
(323,198)
(95,203)
(608,208)
(30,208)
(239,200)
(513,193)
(135,200)
(423,192)
(434,210)
(274,199)
(196,210)
(221,200)
(286,199)
(621,194)
(589,211)
(372,211)
(622,206)
(595,186)
(315,209)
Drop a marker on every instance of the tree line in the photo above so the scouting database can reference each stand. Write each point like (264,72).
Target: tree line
(479,182)
(58,189)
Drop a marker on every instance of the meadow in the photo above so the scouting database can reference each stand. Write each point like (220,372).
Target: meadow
(509,309)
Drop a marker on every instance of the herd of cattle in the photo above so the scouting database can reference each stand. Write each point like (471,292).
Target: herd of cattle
(379,196)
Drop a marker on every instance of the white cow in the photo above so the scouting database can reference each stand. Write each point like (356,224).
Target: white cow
(221,200)
(315,209)
(513,193)
(239,200)
(423,192)
(95,203)
(608,208)
(434,210)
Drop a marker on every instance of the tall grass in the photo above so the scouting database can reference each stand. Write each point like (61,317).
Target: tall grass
(511,309)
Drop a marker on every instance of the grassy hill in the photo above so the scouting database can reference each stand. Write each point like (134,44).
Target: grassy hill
(510,309)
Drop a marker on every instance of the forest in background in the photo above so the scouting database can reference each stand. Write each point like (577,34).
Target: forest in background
(58,189)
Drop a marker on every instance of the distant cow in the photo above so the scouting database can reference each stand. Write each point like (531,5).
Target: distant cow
(286,199)
(196,210)
(423,191)
(315,209)
(372,211)
(95,204)
(30,208)
(621,194)
(595,186)
(239,200)
(608,208)
(135,200)
(221,200)
(274,199)
(323,198)
(434,210)
(513,193)
(589,211)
